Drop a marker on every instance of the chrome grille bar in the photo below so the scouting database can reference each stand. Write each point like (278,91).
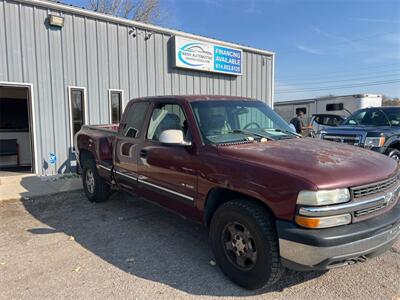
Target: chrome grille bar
(345,139)
(374,188)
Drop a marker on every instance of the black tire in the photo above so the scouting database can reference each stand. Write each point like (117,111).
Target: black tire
(97,190)
(259,222)
(394,153)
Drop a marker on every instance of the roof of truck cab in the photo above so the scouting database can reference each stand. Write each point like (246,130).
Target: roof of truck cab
(194,98)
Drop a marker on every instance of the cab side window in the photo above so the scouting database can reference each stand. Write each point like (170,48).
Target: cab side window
(164,117)
(135,119)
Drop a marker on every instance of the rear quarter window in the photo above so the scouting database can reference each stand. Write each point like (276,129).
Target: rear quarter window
(133,122)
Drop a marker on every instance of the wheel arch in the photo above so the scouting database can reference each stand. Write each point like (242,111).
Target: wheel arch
(218,196)
(85,155)
(394,145)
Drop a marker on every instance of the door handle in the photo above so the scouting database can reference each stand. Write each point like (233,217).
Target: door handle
(143,153)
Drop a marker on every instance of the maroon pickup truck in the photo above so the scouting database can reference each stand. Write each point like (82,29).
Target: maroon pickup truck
(269,198)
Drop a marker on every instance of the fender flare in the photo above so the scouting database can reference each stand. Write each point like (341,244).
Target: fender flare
(391,141)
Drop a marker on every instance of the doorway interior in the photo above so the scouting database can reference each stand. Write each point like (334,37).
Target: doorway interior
(16,148)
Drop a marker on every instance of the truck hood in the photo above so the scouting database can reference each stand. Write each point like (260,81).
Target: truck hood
(324,164)
(360,129)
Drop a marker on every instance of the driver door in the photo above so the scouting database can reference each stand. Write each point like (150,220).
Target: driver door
(167,173)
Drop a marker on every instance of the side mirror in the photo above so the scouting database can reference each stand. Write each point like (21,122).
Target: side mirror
(173,137)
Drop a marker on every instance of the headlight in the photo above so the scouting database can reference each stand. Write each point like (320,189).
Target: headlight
(323,222)
(374,142)
(326,197)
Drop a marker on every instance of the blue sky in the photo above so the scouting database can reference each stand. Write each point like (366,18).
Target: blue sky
(322,47)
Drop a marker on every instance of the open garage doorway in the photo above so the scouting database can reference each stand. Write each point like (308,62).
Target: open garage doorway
(16,144)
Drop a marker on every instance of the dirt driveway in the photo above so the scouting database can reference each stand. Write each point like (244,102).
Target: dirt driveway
(67,247)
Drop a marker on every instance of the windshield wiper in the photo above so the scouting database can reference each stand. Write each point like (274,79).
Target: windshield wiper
(282,130)
(251,133)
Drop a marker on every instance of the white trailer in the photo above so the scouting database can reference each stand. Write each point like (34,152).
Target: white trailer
(326,105)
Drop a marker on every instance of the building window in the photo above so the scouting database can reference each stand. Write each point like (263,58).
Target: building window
(303,109)
(115,97)
(77,109)
(334,106)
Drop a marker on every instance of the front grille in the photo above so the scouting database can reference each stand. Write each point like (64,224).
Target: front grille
(344,139)
(374,188)
(370,210)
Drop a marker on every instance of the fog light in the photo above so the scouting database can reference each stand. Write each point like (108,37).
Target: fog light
(323,222)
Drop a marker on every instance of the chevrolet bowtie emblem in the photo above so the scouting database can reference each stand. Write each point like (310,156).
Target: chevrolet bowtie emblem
(388,198)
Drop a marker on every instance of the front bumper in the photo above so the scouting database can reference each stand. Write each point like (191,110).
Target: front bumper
(305,249)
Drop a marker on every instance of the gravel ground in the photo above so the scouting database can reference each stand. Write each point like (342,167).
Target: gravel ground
(67,247)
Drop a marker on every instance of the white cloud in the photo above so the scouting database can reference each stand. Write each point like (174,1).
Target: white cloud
(327,34)
(252,9)
(372,20)
(308,50)
(213,2)
(393,38)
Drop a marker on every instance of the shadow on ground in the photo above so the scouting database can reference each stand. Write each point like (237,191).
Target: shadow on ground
(144,240)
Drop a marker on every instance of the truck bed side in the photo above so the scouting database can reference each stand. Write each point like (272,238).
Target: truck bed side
(97,141)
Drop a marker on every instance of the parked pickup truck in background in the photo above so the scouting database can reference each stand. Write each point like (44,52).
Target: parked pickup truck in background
(269,198)
(375,128)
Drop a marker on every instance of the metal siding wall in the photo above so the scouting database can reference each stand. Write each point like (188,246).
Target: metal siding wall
(69,74)
(44,122)
(80,50)
(167,62)
(92,72)
(13,42)
(132,69)
(28,44)
(141,62)
(112,30)
(103,71)
(99,56)
(3,48)
(158,64)
(123,60)
(150,65)
(267,82)
(60,146)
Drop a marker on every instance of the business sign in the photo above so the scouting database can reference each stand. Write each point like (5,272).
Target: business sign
(198,55)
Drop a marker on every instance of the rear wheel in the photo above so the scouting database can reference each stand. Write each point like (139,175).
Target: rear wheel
(395,154)
(96,189)
(245,244)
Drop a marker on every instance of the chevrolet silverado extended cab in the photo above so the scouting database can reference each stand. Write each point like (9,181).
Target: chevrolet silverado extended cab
(269,198)
(374,128)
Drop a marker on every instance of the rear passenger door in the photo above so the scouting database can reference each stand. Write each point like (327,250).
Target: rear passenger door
(168,173)
(131,131)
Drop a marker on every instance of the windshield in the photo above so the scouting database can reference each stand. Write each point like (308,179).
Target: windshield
(239,120)
(386,116)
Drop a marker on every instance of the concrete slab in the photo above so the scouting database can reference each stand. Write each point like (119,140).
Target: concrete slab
(25,186)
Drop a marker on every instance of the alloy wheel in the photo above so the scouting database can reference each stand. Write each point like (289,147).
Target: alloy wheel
(90,181)
(239,246)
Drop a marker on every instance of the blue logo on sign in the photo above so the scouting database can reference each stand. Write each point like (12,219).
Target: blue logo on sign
(53,158)
(193,54)
(227,60)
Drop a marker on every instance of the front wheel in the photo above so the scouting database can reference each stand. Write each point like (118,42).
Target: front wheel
(394,154)
(245,244)
(96,189)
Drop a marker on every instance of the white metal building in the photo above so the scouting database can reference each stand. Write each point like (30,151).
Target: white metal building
(326,105)
(62,66)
